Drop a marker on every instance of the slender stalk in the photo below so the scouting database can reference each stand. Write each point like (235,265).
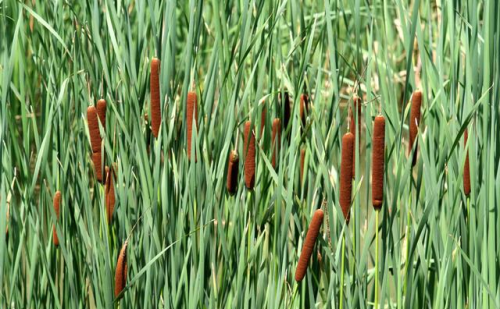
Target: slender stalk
(342,274)
(376,258)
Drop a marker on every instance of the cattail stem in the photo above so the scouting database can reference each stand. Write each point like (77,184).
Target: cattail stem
(416,103)
(346,174)
(191,112)
(342,270)
(307,248)
(276,140)
(154,88)
(249,151)
(355,129)
(57,204)
(232,173)
(378,162)
(121,270)
(376,259)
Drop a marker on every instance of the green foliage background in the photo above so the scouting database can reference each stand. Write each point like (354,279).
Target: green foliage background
(194,246)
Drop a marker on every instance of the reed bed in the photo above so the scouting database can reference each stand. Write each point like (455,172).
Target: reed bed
(428,241)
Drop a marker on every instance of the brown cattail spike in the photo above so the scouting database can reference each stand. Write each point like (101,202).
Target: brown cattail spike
(307,248)
(95,136)
(249,151)
(285,105)
(416,103)
(378,162)
(353,127)
(57,204)
(121,270)
(101,112)
(302,159)
(154,86)
(276,141)
(346,174)
(191,112)
(466,167)
(110,193)
(96,159)
(232,173)
(304,108)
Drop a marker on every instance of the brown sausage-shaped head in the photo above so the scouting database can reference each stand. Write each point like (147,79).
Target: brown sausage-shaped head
(378,162)
(307,248)
(346,174)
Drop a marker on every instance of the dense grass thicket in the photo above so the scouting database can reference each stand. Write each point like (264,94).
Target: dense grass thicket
(189,243)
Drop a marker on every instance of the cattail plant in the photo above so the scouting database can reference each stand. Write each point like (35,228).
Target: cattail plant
(304,108)
(154,84)
(232,173)
(466,167)
(346,174)
(378,162)
(416,103)
(121,270)
(276,140)
(302,159)
(110,193)
(249,151)
(7,219)
(101,112)
(310,241)
(353,127)
(285,105)
(57,204)
(191,111)
(95,140)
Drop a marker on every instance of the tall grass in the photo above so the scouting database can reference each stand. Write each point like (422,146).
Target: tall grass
(190,243)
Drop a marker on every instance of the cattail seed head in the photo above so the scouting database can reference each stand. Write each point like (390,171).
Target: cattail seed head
(378,162)
(304,108)
(121,270)
(285,105)
(101,112)
(416,103)
(302,159)
(232,173)
(110,193)
(249,151)
(346,174)
(154,86)
(466,167)
(353,127)
(191,111)
(307,248)
(95,136)
(96,159)
(276,140)
(57,204)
